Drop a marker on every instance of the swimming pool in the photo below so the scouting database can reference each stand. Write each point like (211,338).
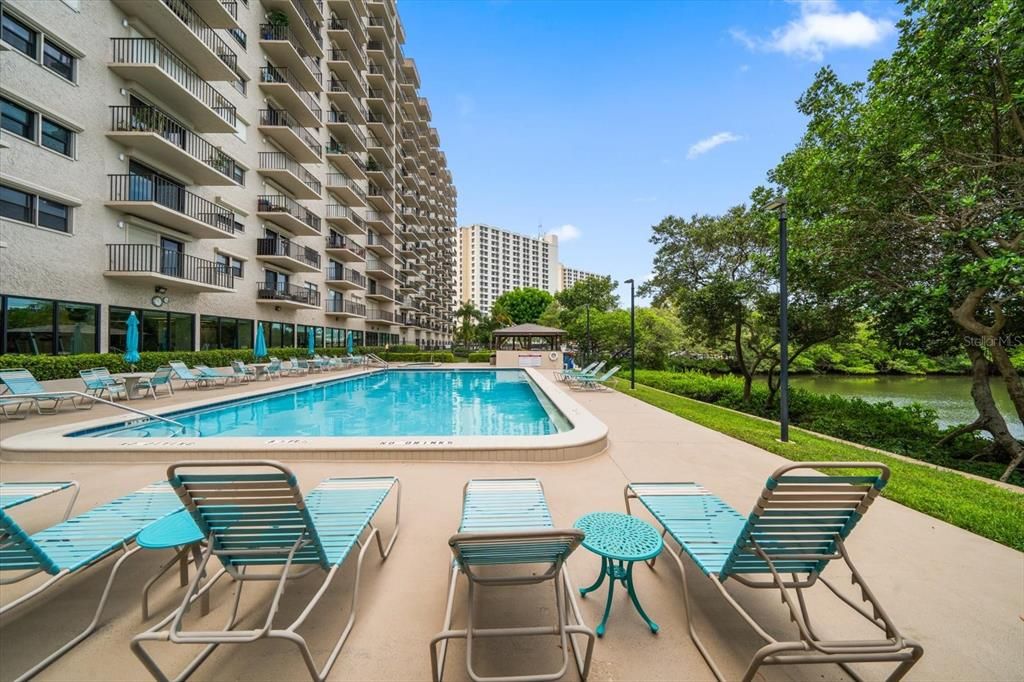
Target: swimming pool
(465,402)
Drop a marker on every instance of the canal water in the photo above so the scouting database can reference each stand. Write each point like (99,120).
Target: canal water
(949,396)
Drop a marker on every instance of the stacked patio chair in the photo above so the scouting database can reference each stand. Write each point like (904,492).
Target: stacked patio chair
(242,371)
(506,525)
(197,381)
(798,526)
(259,527)
(589,370)
(95,385)
(21,385)
(77,544)
(592,382)
(216,375)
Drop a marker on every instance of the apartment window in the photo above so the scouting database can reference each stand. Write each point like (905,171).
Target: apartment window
(239,36)
(226,263)
(159,330)
(43,327)
(22,121)
(59,60)
(224,332)
(29,208)
(37,46)
(278,334)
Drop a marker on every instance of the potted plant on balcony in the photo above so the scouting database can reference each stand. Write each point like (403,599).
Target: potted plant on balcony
(275,19)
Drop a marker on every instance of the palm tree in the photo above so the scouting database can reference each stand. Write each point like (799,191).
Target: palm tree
(467,313)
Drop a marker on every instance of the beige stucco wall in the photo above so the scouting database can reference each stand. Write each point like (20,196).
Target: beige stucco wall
(515,358)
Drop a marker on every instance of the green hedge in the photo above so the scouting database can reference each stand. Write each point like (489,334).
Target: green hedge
(910,430)
(480,356)
(46,367)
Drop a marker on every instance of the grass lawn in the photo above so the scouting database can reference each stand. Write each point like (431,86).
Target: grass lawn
(982,508)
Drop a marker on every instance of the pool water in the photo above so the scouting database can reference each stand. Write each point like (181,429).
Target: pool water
(388,403)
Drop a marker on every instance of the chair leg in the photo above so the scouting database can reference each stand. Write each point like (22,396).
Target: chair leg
(689,619)
(89,629)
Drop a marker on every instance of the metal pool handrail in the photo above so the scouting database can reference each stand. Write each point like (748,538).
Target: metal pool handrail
(88,396)
(377,359)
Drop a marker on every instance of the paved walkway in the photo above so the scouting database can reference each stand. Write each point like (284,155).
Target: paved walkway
(960,595)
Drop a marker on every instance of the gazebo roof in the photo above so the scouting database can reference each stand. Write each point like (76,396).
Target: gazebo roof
(528,330)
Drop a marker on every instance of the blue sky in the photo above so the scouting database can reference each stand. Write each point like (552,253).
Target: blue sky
(597,119)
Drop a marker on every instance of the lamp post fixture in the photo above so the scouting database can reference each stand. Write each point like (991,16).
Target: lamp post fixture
(588,332)
(779,205)
(632,334)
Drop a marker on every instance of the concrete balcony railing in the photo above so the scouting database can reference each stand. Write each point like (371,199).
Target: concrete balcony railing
(284,129)
(288,213)
(287,254)
(339,306)
(289,295)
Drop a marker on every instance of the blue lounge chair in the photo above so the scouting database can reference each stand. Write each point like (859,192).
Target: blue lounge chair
(72,546)
(506,523)
(799,525)
(243,372)
(254,517)
(7,403)
(108,378)
(589,370)
(593,383)
(180,371)
(216,375)
(13,494)
(96,385)
(162,377)
(20,382)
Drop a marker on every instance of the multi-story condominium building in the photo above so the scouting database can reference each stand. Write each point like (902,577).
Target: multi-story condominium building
(491,261)
(213,165)
(568,276)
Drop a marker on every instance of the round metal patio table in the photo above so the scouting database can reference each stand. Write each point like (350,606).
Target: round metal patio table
(132,379)
(620,540)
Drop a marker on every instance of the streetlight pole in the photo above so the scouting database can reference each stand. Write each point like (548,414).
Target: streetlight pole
(588,331)
(780,206)
(632,334)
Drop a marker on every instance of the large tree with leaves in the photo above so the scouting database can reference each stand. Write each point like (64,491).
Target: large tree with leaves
(521,305)
(914,184)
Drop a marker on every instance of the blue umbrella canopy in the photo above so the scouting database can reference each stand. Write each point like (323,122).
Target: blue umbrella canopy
(348,343)
(131,344)
(310,341)
(260,348)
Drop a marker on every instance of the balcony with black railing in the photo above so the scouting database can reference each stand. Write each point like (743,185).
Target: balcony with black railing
(285,49)
(287,213)
(153,65)
(218,13)
(346,158)
(376,290)
(345,308)
(287,172)
(306,26)
(378,315)
(378,268)
(345,219)
(287,254)
(289,296)
(298,141)
(171,205)
(185,31)
(346,189)
(381,221)
(345,248)
(152,264)
(344,277)
(153,132)
(290,93)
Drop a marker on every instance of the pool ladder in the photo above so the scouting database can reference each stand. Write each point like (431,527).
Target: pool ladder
(97,399)
(377,359)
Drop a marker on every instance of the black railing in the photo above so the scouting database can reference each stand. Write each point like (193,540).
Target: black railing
(277,117)
(377,69)
(338,305)
(203,31)
(378,217)
(152,51)
(379,265)
(144,119)
(151,258)
(277,203)
(272,32)
(376,314)
(282,161)
(339,273)
(337,241)
(280,74)
(342,180)
(374,287)
(335,147)
(335,85)
(339,211)
(271,246)
(232,7)
(172,196)
(289,292)
(378,117)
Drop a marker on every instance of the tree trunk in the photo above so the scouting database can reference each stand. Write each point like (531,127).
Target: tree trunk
(989,417)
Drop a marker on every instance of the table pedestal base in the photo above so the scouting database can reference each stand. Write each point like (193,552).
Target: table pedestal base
(621,572)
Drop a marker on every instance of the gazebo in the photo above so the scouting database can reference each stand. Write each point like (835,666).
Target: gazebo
(528,345)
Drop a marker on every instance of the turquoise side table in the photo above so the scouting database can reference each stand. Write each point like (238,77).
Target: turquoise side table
(620,540)
(176,531)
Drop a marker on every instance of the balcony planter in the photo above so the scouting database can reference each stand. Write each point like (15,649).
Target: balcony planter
(277,19)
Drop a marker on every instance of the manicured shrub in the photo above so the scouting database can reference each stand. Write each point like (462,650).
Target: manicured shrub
(480,356)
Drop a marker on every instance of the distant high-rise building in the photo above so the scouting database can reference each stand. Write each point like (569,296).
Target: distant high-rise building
(491,261)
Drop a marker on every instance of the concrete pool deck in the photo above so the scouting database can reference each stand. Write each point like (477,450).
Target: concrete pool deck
(961,596)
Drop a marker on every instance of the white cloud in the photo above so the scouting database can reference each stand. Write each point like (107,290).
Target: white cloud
(820,27)
(567,233)
(709,143)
